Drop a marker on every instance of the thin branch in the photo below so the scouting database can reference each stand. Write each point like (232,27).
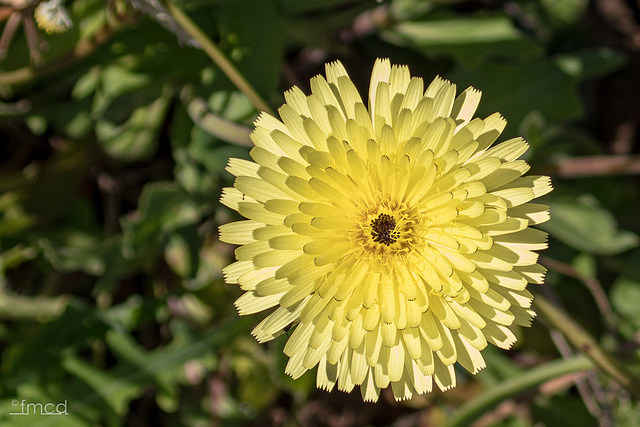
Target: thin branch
(217,57)
(591,283)
(80,50)
(508,389)
(579,167)
(14,21)
(585,343)
(16,307)
(588,387)
(215,125)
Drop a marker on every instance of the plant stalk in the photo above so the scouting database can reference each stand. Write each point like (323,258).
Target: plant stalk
(217,57)
(586,344)
(471,410)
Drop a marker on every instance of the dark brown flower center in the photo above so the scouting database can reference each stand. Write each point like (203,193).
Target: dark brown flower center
(382,229)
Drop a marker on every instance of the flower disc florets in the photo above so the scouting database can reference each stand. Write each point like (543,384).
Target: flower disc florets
(395,236)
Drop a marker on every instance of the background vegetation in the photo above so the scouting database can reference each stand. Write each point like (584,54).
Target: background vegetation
(114,134)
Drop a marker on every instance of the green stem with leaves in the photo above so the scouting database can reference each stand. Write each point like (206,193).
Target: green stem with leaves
(585,343)
(218,57)
(508,389)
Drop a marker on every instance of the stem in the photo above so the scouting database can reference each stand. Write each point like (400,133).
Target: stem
(508,389)
(584,342)
(591,283)
(32,309)
(590,166)
(21,75)
(215,125)
(218,57)
(80,50)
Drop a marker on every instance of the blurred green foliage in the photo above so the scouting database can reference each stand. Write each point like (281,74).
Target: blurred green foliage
(115,135)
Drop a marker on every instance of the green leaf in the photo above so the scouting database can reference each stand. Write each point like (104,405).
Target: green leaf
(95,16)
(585,265)
(37,401)
(138,369)
(182,251)
(134,358)
(13,218)
(625,298)
(135,312)
(212,260)
(518,88)
(467,38)
(72,118)
(163,208)
(118,79)
(87,84)
(195,179)
(137,138)
(589,64)
(77,326)
(73,250)
(586,226)
(403,10)
(116,398)
(564,12)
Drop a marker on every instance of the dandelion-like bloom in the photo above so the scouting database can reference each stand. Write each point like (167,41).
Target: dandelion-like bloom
(395,238)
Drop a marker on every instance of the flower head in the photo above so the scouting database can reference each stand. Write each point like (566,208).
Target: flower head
(395,236)
(52,16)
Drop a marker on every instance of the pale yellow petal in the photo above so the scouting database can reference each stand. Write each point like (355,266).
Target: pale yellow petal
(327,376)
(393,241)
(465,105)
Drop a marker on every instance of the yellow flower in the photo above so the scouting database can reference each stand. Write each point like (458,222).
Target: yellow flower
(395,237)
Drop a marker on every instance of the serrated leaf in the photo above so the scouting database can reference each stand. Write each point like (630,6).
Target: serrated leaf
(132,356)
(77,326)
(116,398)
(120,384)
